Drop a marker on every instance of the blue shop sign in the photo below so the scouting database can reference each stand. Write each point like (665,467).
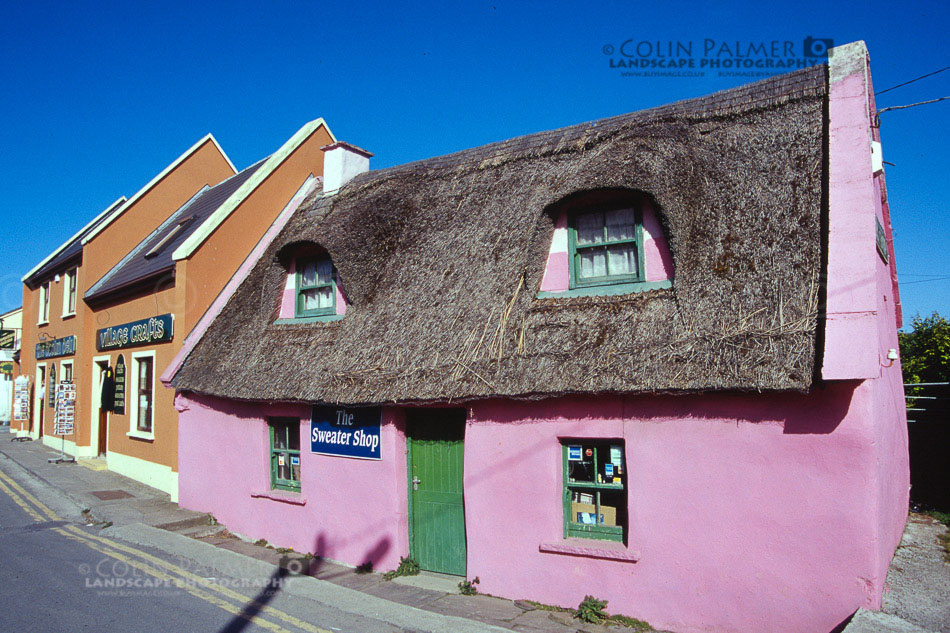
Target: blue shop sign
(156,329)
(55,348)
(346,432)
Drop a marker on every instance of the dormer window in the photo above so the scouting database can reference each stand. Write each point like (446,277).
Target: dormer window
(606,242)
(605,247)
(316,287)
(313,291)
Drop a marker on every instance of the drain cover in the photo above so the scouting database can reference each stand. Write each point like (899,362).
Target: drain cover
(109,495)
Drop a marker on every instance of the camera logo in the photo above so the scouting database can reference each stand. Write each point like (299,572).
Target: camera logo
(817,46)
(296,565)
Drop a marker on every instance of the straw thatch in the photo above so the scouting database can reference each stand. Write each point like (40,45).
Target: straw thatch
(442,260)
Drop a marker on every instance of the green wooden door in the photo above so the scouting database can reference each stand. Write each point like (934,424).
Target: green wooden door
(437,513)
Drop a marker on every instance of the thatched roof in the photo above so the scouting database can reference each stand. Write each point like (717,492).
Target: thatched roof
(442,260)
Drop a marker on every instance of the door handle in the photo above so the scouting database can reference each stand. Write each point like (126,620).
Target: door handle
(415,482)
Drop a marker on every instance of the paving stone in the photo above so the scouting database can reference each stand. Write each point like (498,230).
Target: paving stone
(877,622)
(918,579)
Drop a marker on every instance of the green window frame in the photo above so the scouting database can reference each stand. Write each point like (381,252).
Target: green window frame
(316,287)
(284,453)
(612,235)
(595,495)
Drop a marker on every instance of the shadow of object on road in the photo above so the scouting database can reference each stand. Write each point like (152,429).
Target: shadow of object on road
(246,617)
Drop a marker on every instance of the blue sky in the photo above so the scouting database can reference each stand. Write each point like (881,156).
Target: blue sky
(99,97)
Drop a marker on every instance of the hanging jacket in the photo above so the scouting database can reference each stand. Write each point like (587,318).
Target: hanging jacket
(107,402)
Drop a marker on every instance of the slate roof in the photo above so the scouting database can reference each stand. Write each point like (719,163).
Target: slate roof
(139,265)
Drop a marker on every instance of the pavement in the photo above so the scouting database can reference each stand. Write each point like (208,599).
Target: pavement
(918,580)
(917,599)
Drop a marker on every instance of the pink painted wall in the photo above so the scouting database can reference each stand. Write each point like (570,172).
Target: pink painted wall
(863,304)
(852,255)
(355,509)
(657,261)
(656,254)
(749,513)
(557,274)
(888,408)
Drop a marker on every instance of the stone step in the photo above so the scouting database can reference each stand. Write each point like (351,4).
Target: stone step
(199,531)
(200,520)
(93,463)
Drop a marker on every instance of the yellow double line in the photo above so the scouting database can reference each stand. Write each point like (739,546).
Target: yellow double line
(154,566)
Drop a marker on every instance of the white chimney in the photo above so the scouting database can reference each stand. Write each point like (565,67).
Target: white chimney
(341,163)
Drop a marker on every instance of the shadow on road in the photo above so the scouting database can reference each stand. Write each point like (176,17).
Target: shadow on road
(246,617)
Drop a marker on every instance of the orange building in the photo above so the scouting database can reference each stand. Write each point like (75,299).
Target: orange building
(110,308)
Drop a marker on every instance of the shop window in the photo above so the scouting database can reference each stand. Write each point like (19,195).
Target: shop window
(143,389)
(316,287)
(606,247)
(69,292)
(284,453)
(44,304)
(595,489)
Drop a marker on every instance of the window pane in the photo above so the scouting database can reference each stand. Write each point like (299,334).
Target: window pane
(71,304)
(593,263)
(280,437)
(293,435)
(584,511)
(325,297)
(584,469)
(144,421)
(590,228)
(311,299)
(295,469)
(622,259)
(324,271)
(283,466)
(620,224)
(612,507)
(308,275)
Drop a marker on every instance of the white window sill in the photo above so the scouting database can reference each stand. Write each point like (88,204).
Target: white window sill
(141,435)
(39,323)
(68,315)
(284,496)
(591,548)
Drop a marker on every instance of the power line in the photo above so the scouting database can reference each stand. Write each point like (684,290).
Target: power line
(911,105)
(912,81)
(877,115)
(923,281)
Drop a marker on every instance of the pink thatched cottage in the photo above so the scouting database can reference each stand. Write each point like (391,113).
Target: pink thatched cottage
(647,358)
